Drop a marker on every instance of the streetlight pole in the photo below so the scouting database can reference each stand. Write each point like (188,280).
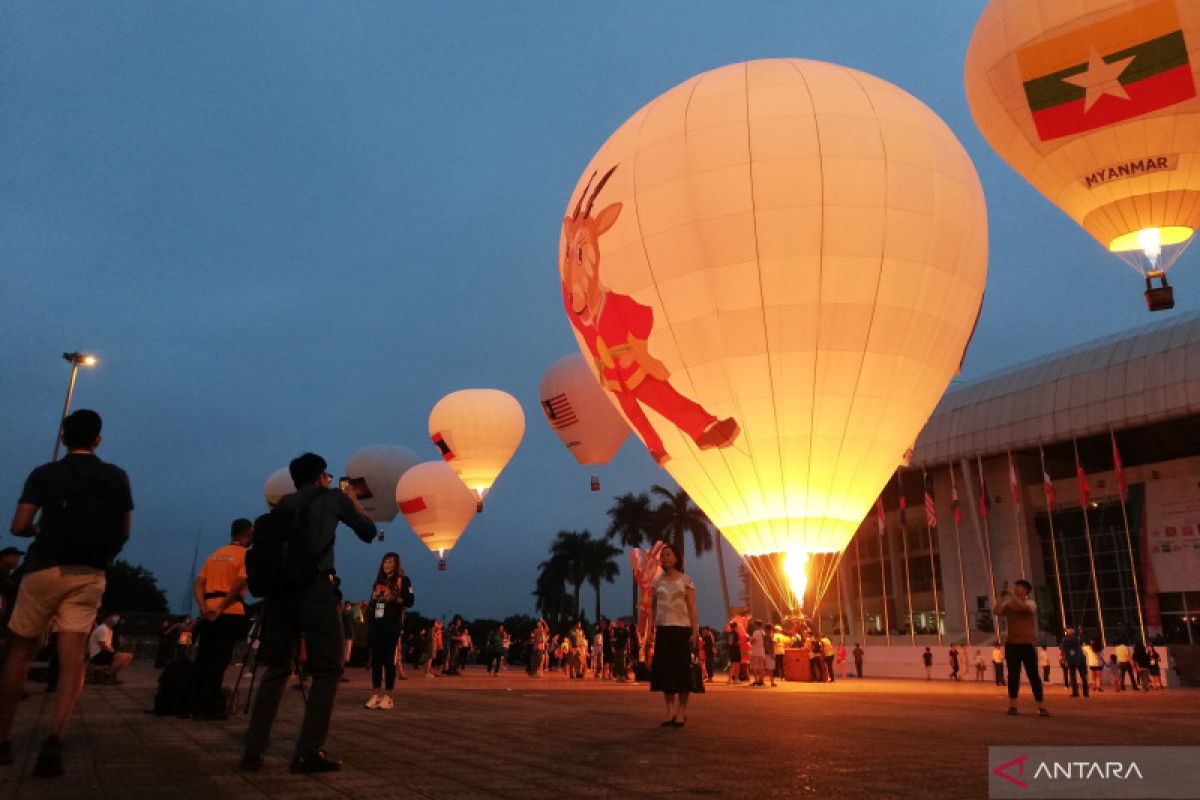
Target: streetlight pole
(75,359)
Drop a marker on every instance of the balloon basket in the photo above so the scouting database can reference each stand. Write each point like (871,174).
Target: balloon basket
(441,565)
(595,483)
(1161,297)
(479,507)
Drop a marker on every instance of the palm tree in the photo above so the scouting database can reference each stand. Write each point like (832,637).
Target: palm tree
(631,524)
(599,565)
(551,593)
(569,554)
(676,516)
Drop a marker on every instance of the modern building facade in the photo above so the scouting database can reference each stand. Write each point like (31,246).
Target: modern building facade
(1114,563)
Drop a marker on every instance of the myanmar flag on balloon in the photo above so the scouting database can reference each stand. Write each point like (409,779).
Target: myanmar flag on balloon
(1110,71)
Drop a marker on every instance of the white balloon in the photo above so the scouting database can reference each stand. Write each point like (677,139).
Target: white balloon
(375,471)
(279,483)
(580,413)
(436,504)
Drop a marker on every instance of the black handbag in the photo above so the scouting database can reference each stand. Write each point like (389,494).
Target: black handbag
(697,677)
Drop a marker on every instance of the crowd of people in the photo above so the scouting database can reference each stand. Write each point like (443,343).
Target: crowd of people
(77,513)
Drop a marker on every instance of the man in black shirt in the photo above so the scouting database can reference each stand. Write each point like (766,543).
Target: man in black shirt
(313,614)
(85,505)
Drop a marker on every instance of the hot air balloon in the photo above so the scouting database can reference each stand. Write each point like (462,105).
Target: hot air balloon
(436,504)
(477,431)
(278,484)
(580,413)
(373,472)
(774,269)
(1095,104)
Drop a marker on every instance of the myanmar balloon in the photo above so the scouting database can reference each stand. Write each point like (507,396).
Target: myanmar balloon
(373,472)
(774,269)
(1095,104)
(580,413)
(278,484)
(436,504)
(477,431)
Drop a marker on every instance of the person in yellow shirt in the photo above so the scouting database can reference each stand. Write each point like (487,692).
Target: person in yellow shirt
(781,641)
(220,589)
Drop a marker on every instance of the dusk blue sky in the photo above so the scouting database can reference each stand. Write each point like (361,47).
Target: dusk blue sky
(295,226)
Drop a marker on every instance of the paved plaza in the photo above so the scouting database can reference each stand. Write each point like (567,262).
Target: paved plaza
(515,736)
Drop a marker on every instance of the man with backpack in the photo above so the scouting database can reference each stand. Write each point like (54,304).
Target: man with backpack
(85,506)
(291,565)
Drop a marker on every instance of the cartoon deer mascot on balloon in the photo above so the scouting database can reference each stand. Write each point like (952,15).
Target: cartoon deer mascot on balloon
(617,329)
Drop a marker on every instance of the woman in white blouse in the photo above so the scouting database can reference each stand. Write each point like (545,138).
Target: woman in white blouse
(675,635)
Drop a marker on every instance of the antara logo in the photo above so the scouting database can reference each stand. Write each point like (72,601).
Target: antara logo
(1004,769)
(1087,770)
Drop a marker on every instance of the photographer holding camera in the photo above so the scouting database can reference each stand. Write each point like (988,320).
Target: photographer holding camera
(312,612)
(1020,612)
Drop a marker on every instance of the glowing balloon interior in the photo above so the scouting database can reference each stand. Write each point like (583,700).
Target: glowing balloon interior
(374,472)
(580,413)
(1095,104)
(278,484)
(774,269)
(436,504)
(477,431)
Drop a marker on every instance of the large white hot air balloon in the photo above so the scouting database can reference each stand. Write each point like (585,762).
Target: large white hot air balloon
(580,414)
(477,431)
(776,267)
(436,504)
(374,472)
(278,484)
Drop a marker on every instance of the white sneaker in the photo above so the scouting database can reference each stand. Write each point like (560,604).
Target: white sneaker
(374,702)
(385,702)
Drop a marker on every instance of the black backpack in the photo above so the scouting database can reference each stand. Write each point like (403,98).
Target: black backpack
(176,689)
(281,561)
(86,526)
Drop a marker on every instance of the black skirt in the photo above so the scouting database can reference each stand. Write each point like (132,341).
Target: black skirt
(671,670)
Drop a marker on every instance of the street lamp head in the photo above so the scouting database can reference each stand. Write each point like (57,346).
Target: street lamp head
(80,359)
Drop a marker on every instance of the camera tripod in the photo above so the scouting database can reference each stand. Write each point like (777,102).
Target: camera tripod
(250,661)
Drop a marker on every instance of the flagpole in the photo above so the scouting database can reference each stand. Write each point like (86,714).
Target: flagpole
(1018,526)
(837,576)
(962,578)
(985,503)
(912,631)
(1087,530)
(1119,468)
(862,616)
(930,525)
(882,524)
(1062,608)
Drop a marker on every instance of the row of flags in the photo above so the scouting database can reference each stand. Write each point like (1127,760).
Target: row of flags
(985,503)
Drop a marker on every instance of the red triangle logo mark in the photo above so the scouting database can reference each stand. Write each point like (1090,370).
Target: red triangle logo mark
(1019,763)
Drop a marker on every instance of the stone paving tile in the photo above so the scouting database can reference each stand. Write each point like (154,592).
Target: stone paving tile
(519,737)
